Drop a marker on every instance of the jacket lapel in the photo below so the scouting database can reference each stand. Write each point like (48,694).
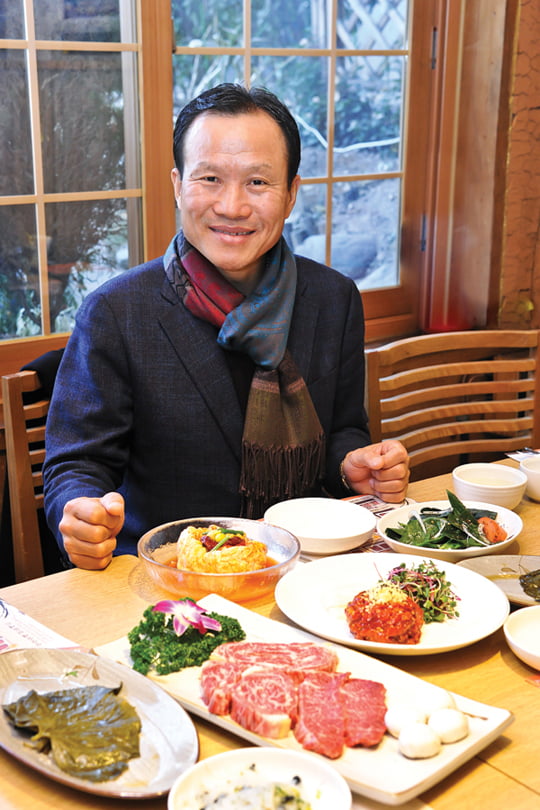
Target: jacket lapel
(303,332)
(208,370)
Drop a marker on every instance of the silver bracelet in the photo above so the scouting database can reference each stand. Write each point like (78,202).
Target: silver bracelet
(344,477)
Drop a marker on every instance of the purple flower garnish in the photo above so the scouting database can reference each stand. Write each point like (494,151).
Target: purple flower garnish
(187,613)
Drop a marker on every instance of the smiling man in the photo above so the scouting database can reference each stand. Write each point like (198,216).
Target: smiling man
(227,374)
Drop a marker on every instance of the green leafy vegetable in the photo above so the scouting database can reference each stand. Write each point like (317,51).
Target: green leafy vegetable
(456,527)
(90,731)
(429,588)
(530,582)
(155,644)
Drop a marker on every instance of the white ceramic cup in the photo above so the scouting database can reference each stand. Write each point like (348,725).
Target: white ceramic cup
(531,467)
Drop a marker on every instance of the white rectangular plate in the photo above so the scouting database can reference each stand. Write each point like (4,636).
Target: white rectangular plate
(380,773)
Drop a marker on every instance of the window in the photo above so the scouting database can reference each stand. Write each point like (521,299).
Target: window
(343,69)
(385,95)
(70,188)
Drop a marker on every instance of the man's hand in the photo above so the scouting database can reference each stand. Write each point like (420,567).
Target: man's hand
(379,469)
(89,527)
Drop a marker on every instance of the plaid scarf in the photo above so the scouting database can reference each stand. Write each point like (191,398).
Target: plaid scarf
(283,446)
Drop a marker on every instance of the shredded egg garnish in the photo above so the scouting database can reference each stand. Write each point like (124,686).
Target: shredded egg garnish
(387,592)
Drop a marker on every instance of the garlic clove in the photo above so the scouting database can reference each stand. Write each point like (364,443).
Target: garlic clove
(450,724)
(418,741)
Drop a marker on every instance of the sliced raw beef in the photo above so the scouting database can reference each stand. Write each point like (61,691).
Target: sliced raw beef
(321,725)
(217,680)
(265,701)
(364,709)
(288,657)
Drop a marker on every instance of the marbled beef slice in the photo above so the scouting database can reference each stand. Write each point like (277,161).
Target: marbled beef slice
(217,680)
(364,710)
(292,657)
(265,702)
(321,725)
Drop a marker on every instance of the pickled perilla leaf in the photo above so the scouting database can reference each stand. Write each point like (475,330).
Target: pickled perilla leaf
(530,582)
(90,731)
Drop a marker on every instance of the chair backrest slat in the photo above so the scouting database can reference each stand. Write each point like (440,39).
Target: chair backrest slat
(23,479)
(445,395)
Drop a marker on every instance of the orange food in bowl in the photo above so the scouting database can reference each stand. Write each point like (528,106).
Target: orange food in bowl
(157,550)
(219,551)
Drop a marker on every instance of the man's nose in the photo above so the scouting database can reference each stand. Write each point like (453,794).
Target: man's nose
(232,201)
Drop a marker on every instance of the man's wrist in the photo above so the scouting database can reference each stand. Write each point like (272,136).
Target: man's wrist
(343,477)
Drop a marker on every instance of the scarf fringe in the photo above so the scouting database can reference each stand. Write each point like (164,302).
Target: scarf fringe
(277,473)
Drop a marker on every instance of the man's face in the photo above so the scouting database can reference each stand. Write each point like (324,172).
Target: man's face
(233,195)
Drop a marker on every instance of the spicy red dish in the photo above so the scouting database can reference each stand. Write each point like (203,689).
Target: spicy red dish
(386,614)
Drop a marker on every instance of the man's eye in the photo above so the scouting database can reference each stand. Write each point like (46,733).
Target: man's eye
(258,182)
(209,178)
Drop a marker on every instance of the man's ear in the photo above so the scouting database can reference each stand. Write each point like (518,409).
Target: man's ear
(293,191)
(177,185)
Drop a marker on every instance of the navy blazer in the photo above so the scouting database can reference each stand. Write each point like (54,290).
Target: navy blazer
(144,402)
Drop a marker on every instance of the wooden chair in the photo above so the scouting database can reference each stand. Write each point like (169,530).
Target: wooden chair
(456,396)
(25,453)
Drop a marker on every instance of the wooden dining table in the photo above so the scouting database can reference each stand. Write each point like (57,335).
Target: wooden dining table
(92,608)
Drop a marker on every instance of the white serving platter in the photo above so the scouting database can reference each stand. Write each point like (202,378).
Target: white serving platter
(380,773)
(482,606)
(168,741)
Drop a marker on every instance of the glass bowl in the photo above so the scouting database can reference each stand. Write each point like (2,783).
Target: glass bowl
(157,548)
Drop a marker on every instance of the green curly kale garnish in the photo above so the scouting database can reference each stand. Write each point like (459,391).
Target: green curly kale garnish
(156,646)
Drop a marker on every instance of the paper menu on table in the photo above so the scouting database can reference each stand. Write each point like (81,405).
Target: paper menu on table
(17,630)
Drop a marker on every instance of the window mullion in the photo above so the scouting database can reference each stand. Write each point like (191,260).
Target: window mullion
(37,159)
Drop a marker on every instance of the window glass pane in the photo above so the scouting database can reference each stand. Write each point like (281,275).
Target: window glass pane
(371,24)
(217,23)
(193,74)
(301,83)
(365,224)
(82,121)
(16,175)
(282,24)
(87,244)
(78,20)
(20,313)
(305,227)
(11,19)
(369,94)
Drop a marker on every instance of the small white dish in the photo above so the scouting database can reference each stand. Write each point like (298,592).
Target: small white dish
(494,483)
(323,525)
(522,631)
(509,520)
(531,467)
(319,783)
(504,570)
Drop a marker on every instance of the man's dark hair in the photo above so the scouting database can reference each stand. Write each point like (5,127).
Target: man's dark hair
(234,99)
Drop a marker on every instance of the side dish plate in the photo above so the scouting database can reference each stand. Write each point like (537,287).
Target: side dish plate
(168,742)
(504,570)
(381,773)
(482,606)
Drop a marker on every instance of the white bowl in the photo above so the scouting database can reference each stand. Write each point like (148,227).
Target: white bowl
(320,783)
(323,525)
(531,467)
(492,483)
(522,631)
(509,520)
